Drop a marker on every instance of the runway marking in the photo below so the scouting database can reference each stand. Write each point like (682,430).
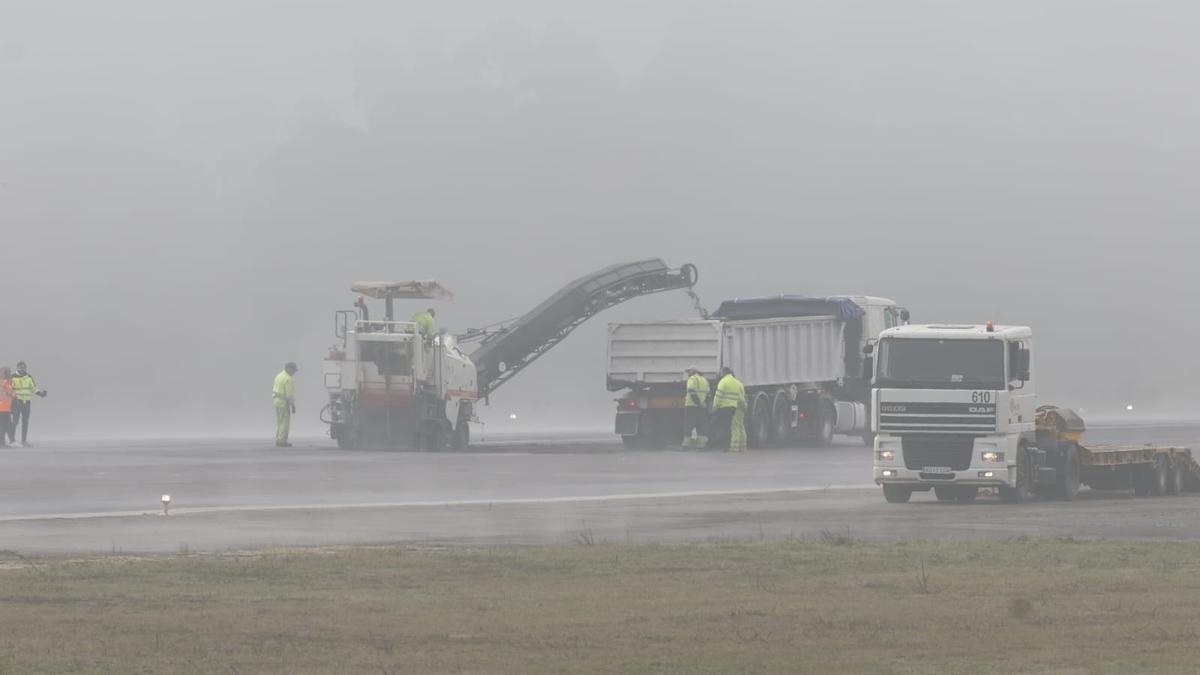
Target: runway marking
(181,511)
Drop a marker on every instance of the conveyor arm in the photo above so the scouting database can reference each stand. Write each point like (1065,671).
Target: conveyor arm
(506,351)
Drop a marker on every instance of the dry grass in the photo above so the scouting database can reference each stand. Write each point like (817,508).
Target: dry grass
(827,606)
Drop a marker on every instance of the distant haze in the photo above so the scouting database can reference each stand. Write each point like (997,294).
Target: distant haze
(188,189)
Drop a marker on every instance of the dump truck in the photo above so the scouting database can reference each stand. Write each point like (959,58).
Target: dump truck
(800,359)
(391,385)
(955,410)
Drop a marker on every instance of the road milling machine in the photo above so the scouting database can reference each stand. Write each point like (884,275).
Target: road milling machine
(391,385)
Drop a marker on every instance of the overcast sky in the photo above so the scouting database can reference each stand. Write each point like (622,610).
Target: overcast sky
(188,189)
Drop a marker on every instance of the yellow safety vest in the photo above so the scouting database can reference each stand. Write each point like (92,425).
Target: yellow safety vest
(23,387)
(697,384)
(284,391)
(730,393)
(424,321)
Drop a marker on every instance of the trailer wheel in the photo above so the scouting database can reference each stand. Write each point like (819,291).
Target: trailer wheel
(1158,474)
(758,432)
(823,425)
(897,494)
(1023,491)
(781,420)
(1068,474)
(1175,479)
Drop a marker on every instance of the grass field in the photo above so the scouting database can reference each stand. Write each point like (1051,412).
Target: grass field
(830,606)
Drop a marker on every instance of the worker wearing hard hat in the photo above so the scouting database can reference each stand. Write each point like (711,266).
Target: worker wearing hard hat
(284,394)
(695,409)
(425,323)
(24,388)
(729,405)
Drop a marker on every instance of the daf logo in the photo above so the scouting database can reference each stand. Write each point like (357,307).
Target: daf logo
(894,408)
(979,409)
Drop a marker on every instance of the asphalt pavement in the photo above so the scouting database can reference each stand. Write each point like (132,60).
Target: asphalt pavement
(105,497)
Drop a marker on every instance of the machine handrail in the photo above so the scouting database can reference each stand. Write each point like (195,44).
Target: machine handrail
(373,326)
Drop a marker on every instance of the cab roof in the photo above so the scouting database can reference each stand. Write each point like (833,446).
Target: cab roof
(958,331)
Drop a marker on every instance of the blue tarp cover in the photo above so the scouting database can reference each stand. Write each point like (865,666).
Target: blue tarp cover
(778,306)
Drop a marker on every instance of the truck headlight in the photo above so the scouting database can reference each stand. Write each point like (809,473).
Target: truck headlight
(992,456)
(885,456)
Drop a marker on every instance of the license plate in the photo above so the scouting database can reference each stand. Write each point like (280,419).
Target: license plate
(936,469)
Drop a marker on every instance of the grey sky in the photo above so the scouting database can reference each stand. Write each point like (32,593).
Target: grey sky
(187,190)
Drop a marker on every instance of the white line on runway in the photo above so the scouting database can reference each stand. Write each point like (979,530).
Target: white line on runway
(461,502)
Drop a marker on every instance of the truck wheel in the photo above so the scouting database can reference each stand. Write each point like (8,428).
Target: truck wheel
(868,439)
(1175,479)
(781,420)
(897,494)
(967,494)
(1140,477)
(1023,491)
(758,432)
(630,442)
(1068,473)
(823,425)
(945,493)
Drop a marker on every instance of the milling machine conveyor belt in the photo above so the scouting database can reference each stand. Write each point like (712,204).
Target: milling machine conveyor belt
(507,351)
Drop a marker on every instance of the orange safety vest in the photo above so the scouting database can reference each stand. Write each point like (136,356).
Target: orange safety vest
(6,396)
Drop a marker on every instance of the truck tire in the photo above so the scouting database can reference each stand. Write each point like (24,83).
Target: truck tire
(781,420)
(1023,491)
(897,494)
(1175,479)
(823,424)
(1067,487)
(945,493)
(758,427)
(868,439)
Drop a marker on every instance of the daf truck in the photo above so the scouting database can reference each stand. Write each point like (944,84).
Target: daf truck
(955,410)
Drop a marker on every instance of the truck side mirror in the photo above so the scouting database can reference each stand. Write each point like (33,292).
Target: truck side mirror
(868,348)
(868,367)
(904,315)
(1023,364)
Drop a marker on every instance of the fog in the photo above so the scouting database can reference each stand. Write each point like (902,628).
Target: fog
(187,191)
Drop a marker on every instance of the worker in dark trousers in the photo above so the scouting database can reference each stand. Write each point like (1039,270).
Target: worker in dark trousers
(24,389)
(725,406)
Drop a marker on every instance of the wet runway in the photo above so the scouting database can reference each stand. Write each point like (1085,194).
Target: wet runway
(105,497)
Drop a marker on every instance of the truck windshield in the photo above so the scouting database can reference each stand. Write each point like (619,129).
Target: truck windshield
(941,364)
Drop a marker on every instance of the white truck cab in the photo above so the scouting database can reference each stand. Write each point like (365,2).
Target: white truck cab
(953,408)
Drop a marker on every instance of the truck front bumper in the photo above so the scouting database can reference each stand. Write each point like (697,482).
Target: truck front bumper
(979,476)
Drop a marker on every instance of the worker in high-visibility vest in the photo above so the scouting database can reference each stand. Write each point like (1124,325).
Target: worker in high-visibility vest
(425,322)
(728,424)
(284,394)
(6,401)
(695,409)
(24,388)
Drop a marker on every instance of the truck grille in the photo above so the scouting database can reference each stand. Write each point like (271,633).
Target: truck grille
(937,418)
(921,451)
